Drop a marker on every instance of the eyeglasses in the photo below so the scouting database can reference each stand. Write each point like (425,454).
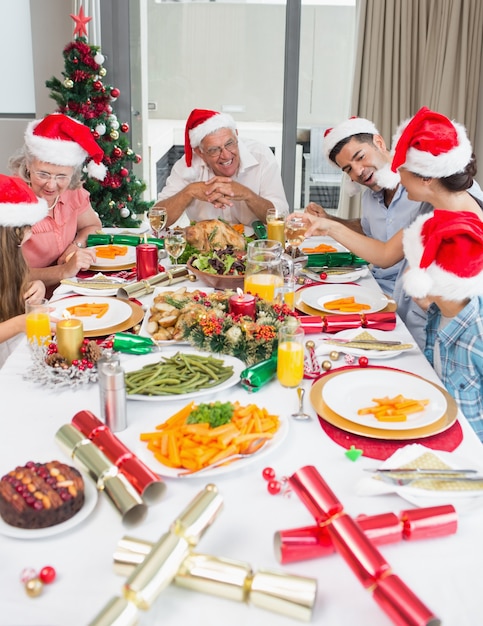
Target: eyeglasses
(230,145)
(59,178)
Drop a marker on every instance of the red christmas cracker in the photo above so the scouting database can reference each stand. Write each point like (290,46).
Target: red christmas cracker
(144,480)
(395,598)
(311,542)
(335,323)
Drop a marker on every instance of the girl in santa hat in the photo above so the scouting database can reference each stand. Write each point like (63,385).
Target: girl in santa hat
(19,210)
(51,162)
(433,159)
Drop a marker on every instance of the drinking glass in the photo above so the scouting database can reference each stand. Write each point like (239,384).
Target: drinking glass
(37,323)
(158,216)
(295,230)
(276,224)
(174,244)
(285,294)
(290,355)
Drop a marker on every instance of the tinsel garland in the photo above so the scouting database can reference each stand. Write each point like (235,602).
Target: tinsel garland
(214,329)
(57,377)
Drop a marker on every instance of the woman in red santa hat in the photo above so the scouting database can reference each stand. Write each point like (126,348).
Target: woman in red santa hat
(434,160)
(51,162)
(444,251)
(221,175)
(19,210)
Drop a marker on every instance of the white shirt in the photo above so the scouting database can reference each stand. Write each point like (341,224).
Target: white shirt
(259,171)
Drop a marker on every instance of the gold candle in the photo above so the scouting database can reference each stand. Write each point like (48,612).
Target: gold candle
(70,335)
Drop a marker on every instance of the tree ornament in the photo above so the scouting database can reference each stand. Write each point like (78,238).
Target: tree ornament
(274,487)
(268,473)
(115,93)
(97,85)
(124,172)
(326,365)
(129,152)
(114,134)
(334,355)
(363,361)
(47,574)
(34,587)
(99,58)
(112,203)
(125,127)
(68,83)
(102,72)
(114,122)
(95,134)
(117,152)
(125,212)
(139,158)
(101,129)
(323,275)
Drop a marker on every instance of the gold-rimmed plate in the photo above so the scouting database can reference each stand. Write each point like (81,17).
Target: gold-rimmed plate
(123,314)
(119,263)
(318,296)
(301,306)
(330,416)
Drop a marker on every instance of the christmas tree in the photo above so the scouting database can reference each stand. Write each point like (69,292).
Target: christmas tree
(83,96)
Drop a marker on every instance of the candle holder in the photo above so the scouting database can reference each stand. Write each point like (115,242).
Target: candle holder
(69,337)
(146,260)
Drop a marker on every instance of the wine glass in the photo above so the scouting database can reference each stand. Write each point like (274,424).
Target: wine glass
(295,228)
(158,216)
(174,244)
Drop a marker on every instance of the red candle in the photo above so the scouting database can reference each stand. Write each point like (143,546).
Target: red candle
(146,260)
(242,304)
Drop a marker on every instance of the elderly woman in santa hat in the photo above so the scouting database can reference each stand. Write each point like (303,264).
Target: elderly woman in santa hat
(51,161)
(19,210)
(221,175)
(434,160)
(444,252)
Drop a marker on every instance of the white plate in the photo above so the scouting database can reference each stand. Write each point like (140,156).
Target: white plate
(127,259)
(117,313)
(159,290)
(313,242)
(354,389)
(126,231)
(90,501)
(139,362)
(315,297)
(337,279)
(326,347)
(170,472)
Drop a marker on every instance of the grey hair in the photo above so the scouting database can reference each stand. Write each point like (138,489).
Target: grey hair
(19,164)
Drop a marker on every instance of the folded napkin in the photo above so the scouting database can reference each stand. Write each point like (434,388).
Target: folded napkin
(366,337)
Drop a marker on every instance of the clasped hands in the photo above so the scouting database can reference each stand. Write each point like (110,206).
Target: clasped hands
(220,191)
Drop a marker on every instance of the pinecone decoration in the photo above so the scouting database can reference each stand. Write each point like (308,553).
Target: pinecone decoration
(93,351)
(55,360)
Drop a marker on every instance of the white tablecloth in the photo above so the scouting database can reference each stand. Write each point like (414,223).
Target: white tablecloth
(445,573)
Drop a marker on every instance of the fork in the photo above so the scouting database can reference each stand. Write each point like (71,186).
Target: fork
(401,482)
(255,446)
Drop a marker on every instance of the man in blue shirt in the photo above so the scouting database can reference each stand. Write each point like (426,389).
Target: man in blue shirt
(356,147)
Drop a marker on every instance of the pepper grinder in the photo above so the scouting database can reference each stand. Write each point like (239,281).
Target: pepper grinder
(112,388)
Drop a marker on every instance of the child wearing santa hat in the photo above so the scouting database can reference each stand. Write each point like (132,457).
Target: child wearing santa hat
(19,210)
(445,258)
(221,175)
(56,151)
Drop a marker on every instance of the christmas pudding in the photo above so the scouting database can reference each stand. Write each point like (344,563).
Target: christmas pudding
(39,495)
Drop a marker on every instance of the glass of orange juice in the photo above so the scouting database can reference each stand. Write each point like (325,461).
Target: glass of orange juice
(285,294)
(290,355)
(37,322)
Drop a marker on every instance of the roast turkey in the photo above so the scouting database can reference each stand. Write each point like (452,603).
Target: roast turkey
(213,235)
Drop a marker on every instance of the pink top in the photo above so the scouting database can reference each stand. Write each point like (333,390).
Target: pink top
(52,235)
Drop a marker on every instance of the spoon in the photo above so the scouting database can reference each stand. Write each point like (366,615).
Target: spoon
(300,415)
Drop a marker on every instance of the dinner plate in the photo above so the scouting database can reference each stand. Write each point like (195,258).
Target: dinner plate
(326,347)
(330,416)
(313,242)
(139,362)
(348,393)
(90,501)
(308,310)
(143,228)
(124,262)
(119,311)
(316,296)
(171,472)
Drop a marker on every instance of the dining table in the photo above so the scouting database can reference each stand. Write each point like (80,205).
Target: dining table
(444,572)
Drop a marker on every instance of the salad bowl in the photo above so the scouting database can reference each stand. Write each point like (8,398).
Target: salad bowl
(217,281)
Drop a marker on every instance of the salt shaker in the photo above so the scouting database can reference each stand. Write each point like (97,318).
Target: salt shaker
(112,395)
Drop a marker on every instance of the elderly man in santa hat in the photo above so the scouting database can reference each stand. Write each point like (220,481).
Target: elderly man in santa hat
(221,175)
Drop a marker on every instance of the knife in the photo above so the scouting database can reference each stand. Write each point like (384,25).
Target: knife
(439,472)
(371,342)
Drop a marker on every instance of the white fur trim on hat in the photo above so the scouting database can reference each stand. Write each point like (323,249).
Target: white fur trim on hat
(346,129)
(211,125)
(386,178)
(96,170)
(56,151)
(22,213)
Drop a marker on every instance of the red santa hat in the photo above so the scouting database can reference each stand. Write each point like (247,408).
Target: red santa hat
(19,206)
(345,130)
(429,144)
(444,251)
(62,140)
(202,122)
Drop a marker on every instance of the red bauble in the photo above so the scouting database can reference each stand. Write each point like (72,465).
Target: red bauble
(124,172)
(322,275)
(97,85)
(363,361)
(139,158)
(115,93)
(268,473)
(129,198)
(47,574)
(125,127)
(95,134)
(274,487)
(117,152)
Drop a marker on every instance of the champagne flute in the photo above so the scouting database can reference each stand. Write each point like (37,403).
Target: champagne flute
(294,235)
(158,216)
(174,244)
